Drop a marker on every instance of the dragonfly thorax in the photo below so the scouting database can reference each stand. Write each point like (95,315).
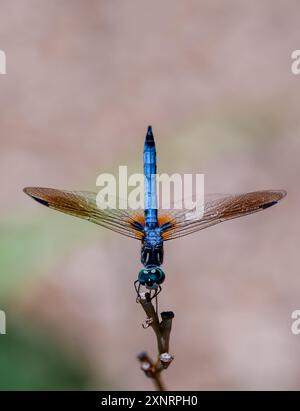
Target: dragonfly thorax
(152,256)
(152,236)
(152,252)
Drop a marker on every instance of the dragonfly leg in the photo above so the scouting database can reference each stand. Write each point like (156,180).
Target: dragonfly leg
(156,304)
(159,290)
(156,300)
(137,289)
(156,292)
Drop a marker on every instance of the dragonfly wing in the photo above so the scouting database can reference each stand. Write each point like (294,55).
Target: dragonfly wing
(216,209)
(83,204)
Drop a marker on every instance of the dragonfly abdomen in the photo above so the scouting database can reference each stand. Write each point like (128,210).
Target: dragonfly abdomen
(150,180)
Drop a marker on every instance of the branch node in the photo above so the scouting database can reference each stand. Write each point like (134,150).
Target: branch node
(148,321)
(165,359)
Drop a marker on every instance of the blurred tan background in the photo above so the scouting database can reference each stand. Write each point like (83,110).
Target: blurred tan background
(84,79)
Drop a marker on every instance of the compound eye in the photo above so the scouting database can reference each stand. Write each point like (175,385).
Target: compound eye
(143,276)
(154,275)
(160,276)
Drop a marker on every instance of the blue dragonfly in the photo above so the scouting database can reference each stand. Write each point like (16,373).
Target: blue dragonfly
(153,226)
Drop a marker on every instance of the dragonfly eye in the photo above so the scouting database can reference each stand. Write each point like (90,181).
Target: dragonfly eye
(143,276)
(157,275)
(151,277)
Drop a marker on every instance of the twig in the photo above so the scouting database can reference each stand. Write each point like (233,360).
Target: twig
(162,331)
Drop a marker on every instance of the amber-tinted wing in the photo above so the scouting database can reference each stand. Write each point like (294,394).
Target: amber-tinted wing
(216,209)
(83,204)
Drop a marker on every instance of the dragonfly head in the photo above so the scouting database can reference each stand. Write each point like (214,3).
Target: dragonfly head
(151,277)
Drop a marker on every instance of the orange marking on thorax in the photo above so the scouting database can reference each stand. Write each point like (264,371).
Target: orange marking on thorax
(165,218)
(162,219)
(139,219)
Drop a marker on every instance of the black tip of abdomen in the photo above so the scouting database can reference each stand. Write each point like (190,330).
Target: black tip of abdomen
(149,136)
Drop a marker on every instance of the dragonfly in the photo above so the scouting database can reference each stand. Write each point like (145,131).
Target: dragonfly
(153,226)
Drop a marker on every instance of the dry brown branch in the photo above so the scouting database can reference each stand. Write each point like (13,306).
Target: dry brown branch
(162,331)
